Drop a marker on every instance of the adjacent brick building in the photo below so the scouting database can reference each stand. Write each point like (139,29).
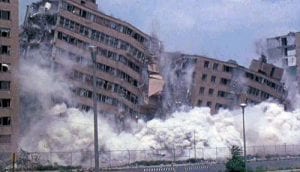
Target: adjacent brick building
(284,51)
(219,84)
(9,59)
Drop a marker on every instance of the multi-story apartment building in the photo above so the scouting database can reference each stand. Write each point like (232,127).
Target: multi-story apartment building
(219,84)
(9,59)
(66,28)
(284,51)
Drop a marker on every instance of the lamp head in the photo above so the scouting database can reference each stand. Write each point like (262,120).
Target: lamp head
(243,105)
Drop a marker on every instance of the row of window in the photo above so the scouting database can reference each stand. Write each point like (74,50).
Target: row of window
(255,92)
(101,37)
(6,1)
(213,79)
(5,121)
(72,40)
(102,99)
(106,85)
(264,81)
(215,66)
(107,69)
(209,104)
(102,21)
(105,53)
(207,65)
(4,15)
(212,91)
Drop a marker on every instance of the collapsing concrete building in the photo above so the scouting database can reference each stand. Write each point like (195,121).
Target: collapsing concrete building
(284,51)
(62,31)
(219,84)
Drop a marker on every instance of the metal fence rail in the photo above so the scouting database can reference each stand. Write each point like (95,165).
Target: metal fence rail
(133,158)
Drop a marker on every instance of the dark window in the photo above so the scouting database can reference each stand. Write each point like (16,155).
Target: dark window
(224,81)
(4,67)
(284,41)
(4,15)
(222,94)
(272,71)
(201,91)
(227,69)
(208,104)
(253,91)
(7,1)
(204,76)
(4,85)
(85,108)
(199,103)
(4,103)
(211,91)
(206,64)
(250,75)
(5,49)
(213,79)
(4,32)
(215,66)
(5,121)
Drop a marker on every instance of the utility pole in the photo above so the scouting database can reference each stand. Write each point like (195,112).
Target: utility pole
(243,106)
(93,50)
(195,151)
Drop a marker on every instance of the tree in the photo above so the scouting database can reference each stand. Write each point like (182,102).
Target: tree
(236,163)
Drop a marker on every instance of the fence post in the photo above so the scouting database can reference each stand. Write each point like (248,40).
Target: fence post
(13,162)
(91,154)
(285,153)
(264,151)
(129,157)
(71,159)
(203,153)
(195,151)
(51,158)
(109,158)
(174,156)
(294,150)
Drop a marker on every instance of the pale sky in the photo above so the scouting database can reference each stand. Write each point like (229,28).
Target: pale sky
(223,29)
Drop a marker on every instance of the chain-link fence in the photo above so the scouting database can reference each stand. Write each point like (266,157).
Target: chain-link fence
(134,158)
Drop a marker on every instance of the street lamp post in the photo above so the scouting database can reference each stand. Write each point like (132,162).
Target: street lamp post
(243,106)
(93,50)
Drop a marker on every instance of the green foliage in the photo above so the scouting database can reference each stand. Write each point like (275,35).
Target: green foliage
(236,163)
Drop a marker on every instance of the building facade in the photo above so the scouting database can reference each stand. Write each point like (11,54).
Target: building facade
(66,28)
(284,51)
(219,84)
(9,57)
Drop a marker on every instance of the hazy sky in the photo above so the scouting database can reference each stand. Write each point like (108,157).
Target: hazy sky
(223,29)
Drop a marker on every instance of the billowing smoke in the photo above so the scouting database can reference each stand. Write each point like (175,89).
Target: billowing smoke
(61,128)
(178,71)
(66,130)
